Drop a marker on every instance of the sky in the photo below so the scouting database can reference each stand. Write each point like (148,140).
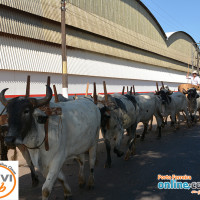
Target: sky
(177,15)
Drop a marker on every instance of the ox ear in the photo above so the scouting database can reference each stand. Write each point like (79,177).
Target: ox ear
(184,91)
(42,119)
(157,93)
(40,116)
(197,95)
(170,92)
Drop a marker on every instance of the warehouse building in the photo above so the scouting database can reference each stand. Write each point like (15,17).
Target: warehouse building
(118,41)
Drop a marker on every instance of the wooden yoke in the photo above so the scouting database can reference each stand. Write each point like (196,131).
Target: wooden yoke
(55,94)
(95,94)
(87,88)
(28,86)
(157,86)
(105,92)
(133,89)
(162,85)
(123,90)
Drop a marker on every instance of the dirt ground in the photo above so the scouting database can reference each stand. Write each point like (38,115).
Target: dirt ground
(113,177)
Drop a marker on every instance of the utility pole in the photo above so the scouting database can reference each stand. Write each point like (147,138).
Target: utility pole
(64,52)
(192,54)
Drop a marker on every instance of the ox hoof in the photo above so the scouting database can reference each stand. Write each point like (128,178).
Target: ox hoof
(81,182)
(35,182)
(189,125)
(90,187)
(118,152)
(127,156)
(142,138)
(81,185)
(91,182)
(68,197)
(107,165)
(158,137)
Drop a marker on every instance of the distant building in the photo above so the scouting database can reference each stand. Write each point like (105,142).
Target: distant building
(118,41)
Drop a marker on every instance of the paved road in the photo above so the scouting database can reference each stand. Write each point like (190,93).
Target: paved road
(178,152)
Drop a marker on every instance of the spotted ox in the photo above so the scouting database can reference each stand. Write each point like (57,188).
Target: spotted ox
(193,102)
(172,104)
(120,113)
(70,135)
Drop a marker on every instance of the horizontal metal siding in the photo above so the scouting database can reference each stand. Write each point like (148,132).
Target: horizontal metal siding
(17,54)
(24,55)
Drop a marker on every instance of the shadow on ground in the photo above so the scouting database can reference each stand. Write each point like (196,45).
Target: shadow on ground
(177,152)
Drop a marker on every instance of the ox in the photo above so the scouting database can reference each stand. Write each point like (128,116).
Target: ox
(26,156)
(193,102)
(70,135)
(148,105)
(121,112)
(172,104)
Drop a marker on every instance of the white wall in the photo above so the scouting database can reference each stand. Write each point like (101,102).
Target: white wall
(83,67)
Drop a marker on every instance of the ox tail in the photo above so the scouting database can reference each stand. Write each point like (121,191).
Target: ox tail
(15,155)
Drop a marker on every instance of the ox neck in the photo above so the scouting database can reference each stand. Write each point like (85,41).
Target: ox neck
(35,136)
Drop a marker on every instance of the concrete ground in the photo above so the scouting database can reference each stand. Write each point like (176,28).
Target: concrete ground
(177,152)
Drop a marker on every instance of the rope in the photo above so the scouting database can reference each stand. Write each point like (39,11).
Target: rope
(3,110)
(37,147)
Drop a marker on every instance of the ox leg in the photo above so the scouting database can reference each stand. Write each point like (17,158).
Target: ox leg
(178,119)
(26,155)
(173,122)
(131,148)
(150,126)
(159,120)
(81,161)
(187,117)
(118,143)
(199,114)
(145,131)
(164,121)
(108,148)
(67,189)
(92,159)
(54,170)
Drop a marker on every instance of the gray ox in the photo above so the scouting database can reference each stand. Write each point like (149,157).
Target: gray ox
(70,135)
(172,104)
(120,113)
(193,102)
(149,106)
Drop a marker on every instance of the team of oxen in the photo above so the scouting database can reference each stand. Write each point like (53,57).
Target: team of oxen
(76,130)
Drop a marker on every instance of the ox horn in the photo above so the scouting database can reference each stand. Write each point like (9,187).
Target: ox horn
(105,92)
(123,90)
(46,99)
(2,97)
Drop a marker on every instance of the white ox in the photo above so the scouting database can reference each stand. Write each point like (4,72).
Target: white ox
(149,106)
(70,135)
(172,104)
(121,112)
